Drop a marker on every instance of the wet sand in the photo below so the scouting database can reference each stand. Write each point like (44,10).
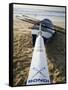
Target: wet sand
(22,53)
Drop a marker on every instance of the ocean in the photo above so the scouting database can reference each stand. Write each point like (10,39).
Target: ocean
(55,14)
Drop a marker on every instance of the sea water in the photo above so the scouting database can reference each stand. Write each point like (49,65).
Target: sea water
(55,14)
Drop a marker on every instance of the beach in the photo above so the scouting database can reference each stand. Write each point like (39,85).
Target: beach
(23,49)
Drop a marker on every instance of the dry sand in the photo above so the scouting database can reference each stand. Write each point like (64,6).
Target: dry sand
(22,53)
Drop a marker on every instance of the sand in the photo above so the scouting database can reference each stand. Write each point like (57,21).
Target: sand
(22,53)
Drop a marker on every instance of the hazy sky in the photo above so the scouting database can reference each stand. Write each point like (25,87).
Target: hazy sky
(49,8)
